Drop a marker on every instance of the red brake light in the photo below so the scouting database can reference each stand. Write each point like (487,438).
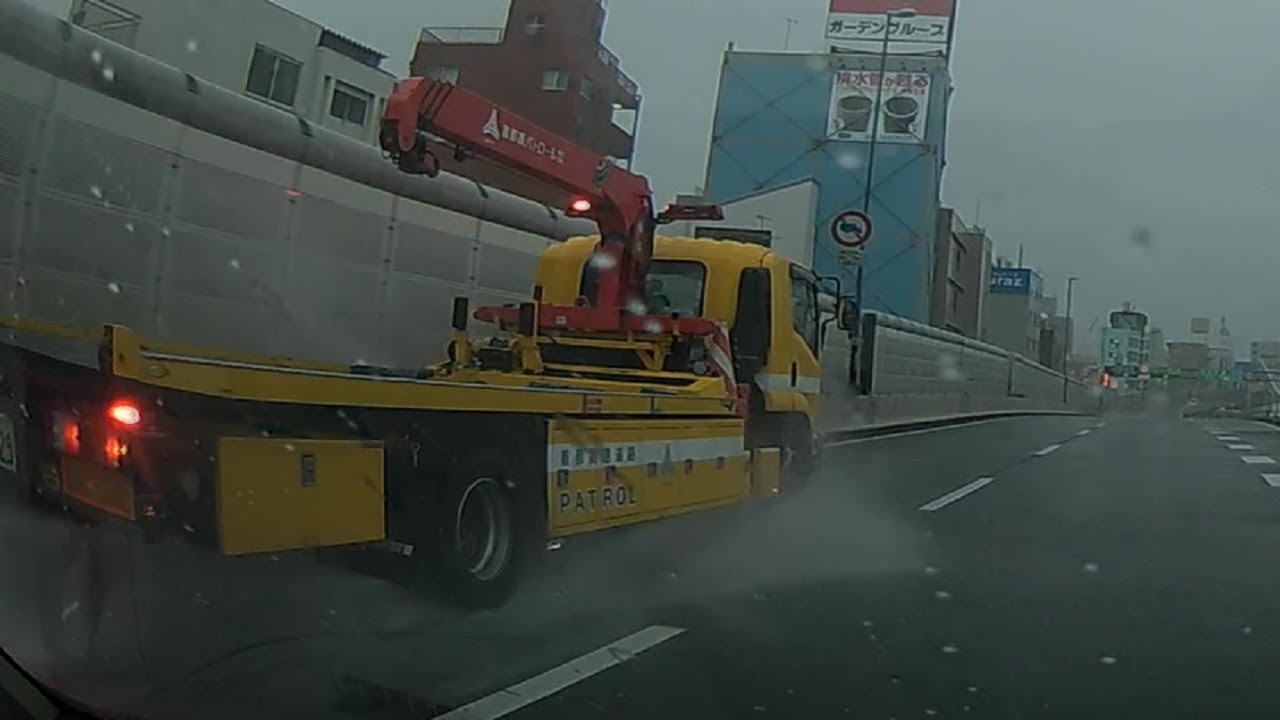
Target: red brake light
(125,413)
(582,205)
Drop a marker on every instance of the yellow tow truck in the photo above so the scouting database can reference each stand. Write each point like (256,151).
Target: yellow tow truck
(646,377)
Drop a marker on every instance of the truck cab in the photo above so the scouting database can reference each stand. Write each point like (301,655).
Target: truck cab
(769,305)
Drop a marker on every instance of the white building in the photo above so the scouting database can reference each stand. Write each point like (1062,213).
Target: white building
(781,219)
(257,48)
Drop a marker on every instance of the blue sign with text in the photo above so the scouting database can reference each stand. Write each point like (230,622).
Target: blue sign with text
(1011,281)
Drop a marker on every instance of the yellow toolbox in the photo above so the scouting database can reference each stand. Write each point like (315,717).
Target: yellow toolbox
(285,494)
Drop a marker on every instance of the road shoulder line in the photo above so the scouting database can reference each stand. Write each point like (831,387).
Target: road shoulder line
(510,699)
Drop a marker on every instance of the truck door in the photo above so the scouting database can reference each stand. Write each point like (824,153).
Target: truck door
(804,371)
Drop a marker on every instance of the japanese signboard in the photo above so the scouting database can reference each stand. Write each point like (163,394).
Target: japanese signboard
(1011,281)
(865,20)
(903,110)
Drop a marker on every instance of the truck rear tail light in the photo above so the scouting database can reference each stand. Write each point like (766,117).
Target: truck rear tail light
(125,413)
(66,434)
(115,451)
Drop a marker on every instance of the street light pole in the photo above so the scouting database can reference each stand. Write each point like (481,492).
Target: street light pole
(876,109)
(786,44)
(889,17)
(1066,338)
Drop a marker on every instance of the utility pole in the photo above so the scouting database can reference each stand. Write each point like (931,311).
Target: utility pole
(889,17)
(786,44)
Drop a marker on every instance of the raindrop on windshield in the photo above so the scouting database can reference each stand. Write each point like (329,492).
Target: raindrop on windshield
(108,73)
(636,306)
(930,570)
(128,226)
(972,689)
(1091,567)
(95,191)
(193,45)
(942,594)
(114,287)
(1246,630)
(96,56)
(653,326)
(234,263)
(1108,660)
(165,231)
(603,261)
(950,649)
(849,160)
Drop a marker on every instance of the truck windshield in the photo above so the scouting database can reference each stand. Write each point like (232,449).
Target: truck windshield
(675,286)
(672,286)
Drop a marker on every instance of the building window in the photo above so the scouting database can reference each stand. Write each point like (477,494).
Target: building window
(273,76)
(446,73)
(350,104)
(534,24)
(586,87)
(555,79)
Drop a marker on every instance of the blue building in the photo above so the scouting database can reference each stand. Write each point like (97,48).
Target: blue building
(784,117)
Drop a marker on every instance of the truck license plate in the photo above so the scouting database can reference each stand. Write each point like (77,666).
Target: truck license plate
(8,445)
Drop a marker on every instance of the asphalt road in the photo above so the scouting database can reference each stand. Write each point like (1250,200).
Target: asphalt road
(1032,567)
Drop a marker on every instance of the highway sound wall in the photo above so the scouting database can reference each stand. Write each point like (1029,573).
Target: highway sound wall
(132,192)
(911,371)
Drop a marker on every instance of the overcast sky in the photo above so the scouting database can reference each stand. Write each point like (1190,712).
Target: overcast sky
(1075,123)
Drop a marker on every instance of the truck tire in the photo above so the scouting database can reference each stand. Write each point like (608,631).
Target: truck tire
(482,538)
(800,457)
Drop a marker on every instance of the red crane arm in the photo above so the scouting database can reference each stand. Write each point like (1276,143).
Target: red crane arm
(619,202)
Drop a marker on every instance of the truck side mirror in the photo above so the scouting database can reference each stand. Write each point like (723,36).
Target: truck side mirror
(846,314)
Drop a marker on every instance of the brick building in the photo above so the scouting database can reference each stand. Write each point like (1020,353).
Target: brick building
(548,65)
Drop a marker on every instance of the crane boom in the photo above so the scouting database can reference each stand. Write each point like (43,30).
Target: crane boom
(618,201)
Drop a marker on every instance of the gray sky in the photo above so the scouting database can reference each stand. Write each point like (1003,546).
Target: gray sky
(1074,122)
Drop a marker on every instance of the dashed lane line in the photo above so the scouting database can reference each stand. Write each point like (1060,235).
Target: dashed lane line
(1272,479)
(1258,459)
(957,494)
(1045,451)
(506,701)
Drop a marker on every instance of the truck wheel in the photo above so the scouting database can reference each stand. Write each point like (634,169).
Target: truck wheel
(799,455)
(481,540)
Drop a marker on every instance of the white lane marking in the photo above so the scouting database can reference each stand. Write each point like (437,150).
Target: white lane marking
(1045,451)
(954,495)
(1084,432)
(1272,479)
(1228,438)
(940,428)
(1240,446)
(1258,459)
(506,701)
